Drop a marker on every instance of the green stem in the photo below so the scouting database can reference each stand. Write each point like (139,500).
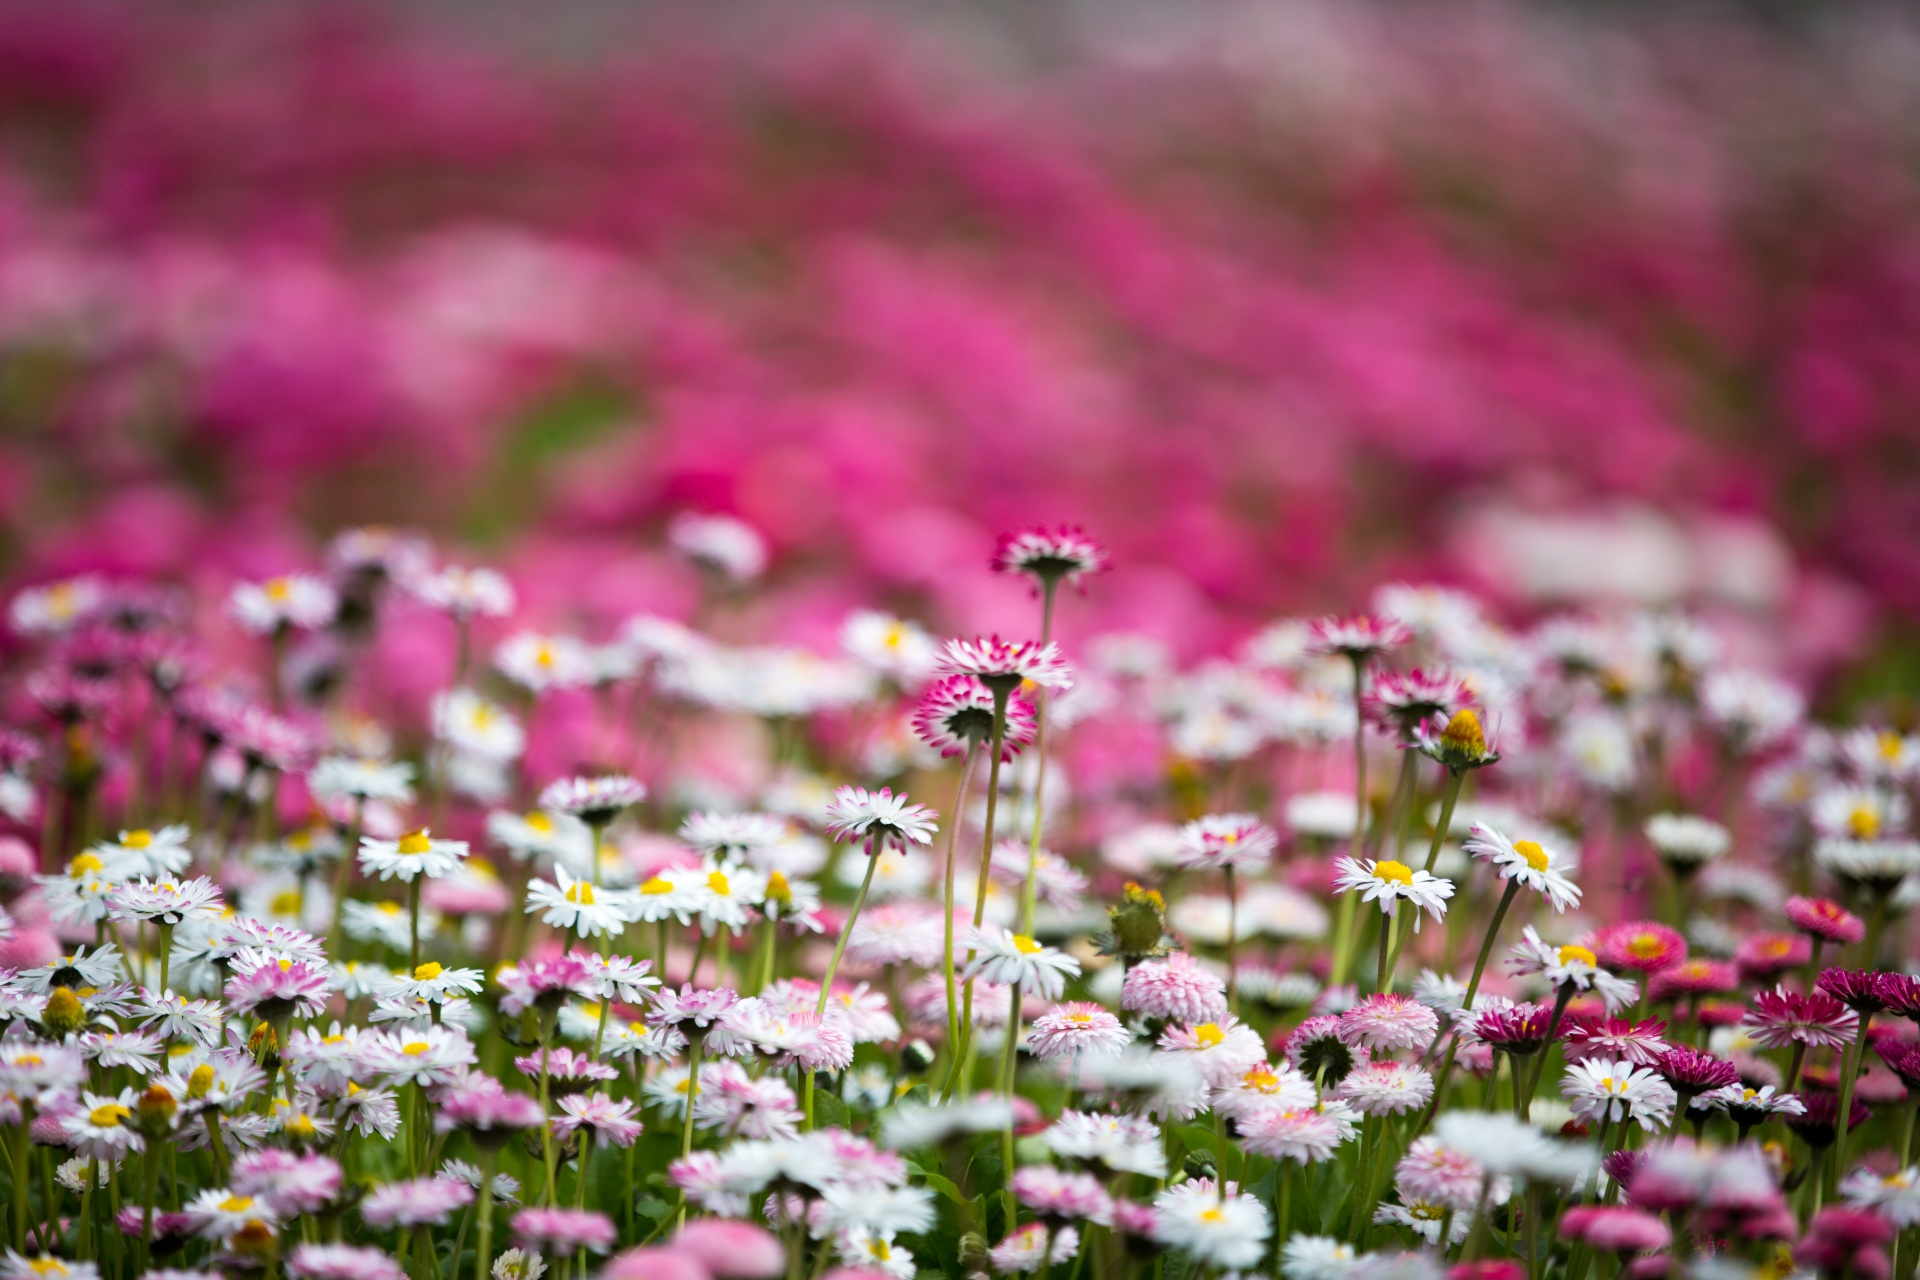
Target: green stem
(693,1093)
(1454,778)
(1233,948)
(953,842)
(846,931)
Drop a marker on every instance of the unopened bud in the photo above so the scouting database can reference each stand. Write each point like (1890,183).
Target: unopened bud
(156,1109)
(1138,921)
(1464,735)
(917,1057)
(63,1014)
(254,1240)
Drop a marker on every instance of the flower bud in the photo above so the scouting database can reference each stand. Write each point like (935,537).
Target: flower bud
(917,1057)
(156,1110)
(63,1014)
(1464,735)
(1138,922)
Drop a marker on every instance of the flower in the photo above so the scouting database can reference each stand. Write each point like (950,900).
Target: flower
(1388,1021)
(1305,1135)
(1218,1051)
(342,1262)
(1825,920)
(100,1127)
(1014,959)
(607,1119)
(1689,1071)
(419,1202)
(1389,881)
(1433,1173)
(166,901)
(1050,556)
(879,818)
(595,801)
(1175,989)
(581,907)
(1617,1092)
(1226,840)
(1611,1229)
(1386,1088)
(722,545)
(1573,966)
(1686,841)
(1119,1143)
(1459,744)
(1895,1197)
(1358,637)
(1060,1197)
(1640,1043)
(1642,945)
(1076,1028)
(1025,1250)
(1402,701)
(999,663)
(1527,861)
(1780,1018)
(1215,1226)
(466,593)
(413,854)
(295,601)
(1865,991)
(337,779)
(276,987)
(956,713)
(1306,1257)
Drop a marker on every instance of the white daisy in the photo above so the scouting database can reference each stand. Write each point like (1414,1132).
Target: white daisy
(1009,958)
(579,906)
(1215,1227)
(1527,861)
(1388,882)
(413,854)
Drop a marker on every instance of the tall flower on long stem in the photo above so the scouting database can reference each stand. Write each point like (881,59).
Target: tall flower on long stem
(1002,666)
(876,819)
(956,717)
(1226,841)
(1359,639)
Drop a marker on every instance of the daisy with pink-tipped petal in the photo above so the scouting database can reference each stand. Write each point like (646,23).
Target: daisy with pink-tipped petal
(1059,1197)
(1176,989)
(1050,556)
(1218,1051)
(956,714)
(1076,1028)
(1386,1088)
(341,1262)
(1780,1019)
(563,1231)
(1399,702)
(1004,664)
(419,1202)
(1389,1022)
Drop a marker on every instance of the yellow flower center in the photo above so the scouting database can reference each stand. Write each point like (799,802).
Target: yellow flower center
(580,893)
(1261,1080)
(717,881)
(140,838)
(1536,856)
(109,1116)
(415,843)
(880,1249)
(1463,733)
(301,1126)
(278,590)
(778,890)
(415,1048)
(1080,1019)
(1232,837)
(1214,1214)
(29,1060)
(1025,945)
(390,908)
(427,972)
(540,822)
(334,1040)
(1425,1212)
(200,1083)
(655,886)
(1574,951)
(48,1267)
(236,1204)
(1863,822)
(83,864)
(1890,744)
(1208,1034)
(1646,946)
(286,966)
(1398,872)
(1777,948)
(896,636)
(285,904)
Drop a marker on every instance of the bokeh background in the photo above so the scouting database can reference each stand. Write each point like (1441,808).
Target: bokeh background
(1280,300)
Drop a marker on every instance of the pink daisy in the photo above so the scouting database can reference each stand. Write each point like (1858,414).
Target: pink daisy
(276,988)
(1401,701)
(608,1120)
(1226,840)
(1694,977)
(1358,637)
(548,984)
(1058,1197)
(342,1262)
(1763,957)
(1437,1174)
(1176,989)
(1387,1021)
(1825,920)
(1386,1088)
(1065,554)
(957,712)
(1780,1018)
(1642,945)
(1003,663)
(1640,1043)
(562,1231)
(416,1203)
(1302,1134)
(1074,1028)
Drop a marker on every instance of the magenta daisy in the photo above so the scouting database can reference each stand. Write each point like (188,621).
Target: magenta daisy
(956,713)
(1050,556)
(341,1262)
(1780,1019)
(1641,945)
(1825,920)
(277,989)
(1641,1043)
(1074,1028)
(1402,701)
(1358,637)
(1433,1173)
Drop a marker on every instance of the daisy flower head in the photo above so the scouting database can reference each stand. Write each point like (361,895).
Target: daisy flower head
(1358,637)
(1435,1173)
(275,987)
(1878,865)
(1865,991)
(539,663)
(1459,743)
(419,1202)
(1076,1028)
(1388,882)
(1686,842)
(100,1127)
(1571,965)
(477,726)
(1617,1092)
(1013,959)
(1383,1088)
(1514,1028)
(1005,664)
(1057,1196)
(145,851)
(1644,946)
(1025,1250)
(1749,1106)
(1780,1019)
(1218,1051)
(466,593)
(1050,556)
(342,1262)
(1216,1226)
(414,854)
(1825,920)
(581,907)
(1319,1048)
(595,801)
(891,646)
(732,835)
(1527,861)
(1641,1043)
(956,713)
(721,545)
(1303,1134)
(1226,840)
(1306,1257)
(879,818)
(44,1266)
(1118,1143)
(1894,1196)
(337,779)
(1387,1022)
(1176,989)
(291,602)
(1402,701)
(165,901)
